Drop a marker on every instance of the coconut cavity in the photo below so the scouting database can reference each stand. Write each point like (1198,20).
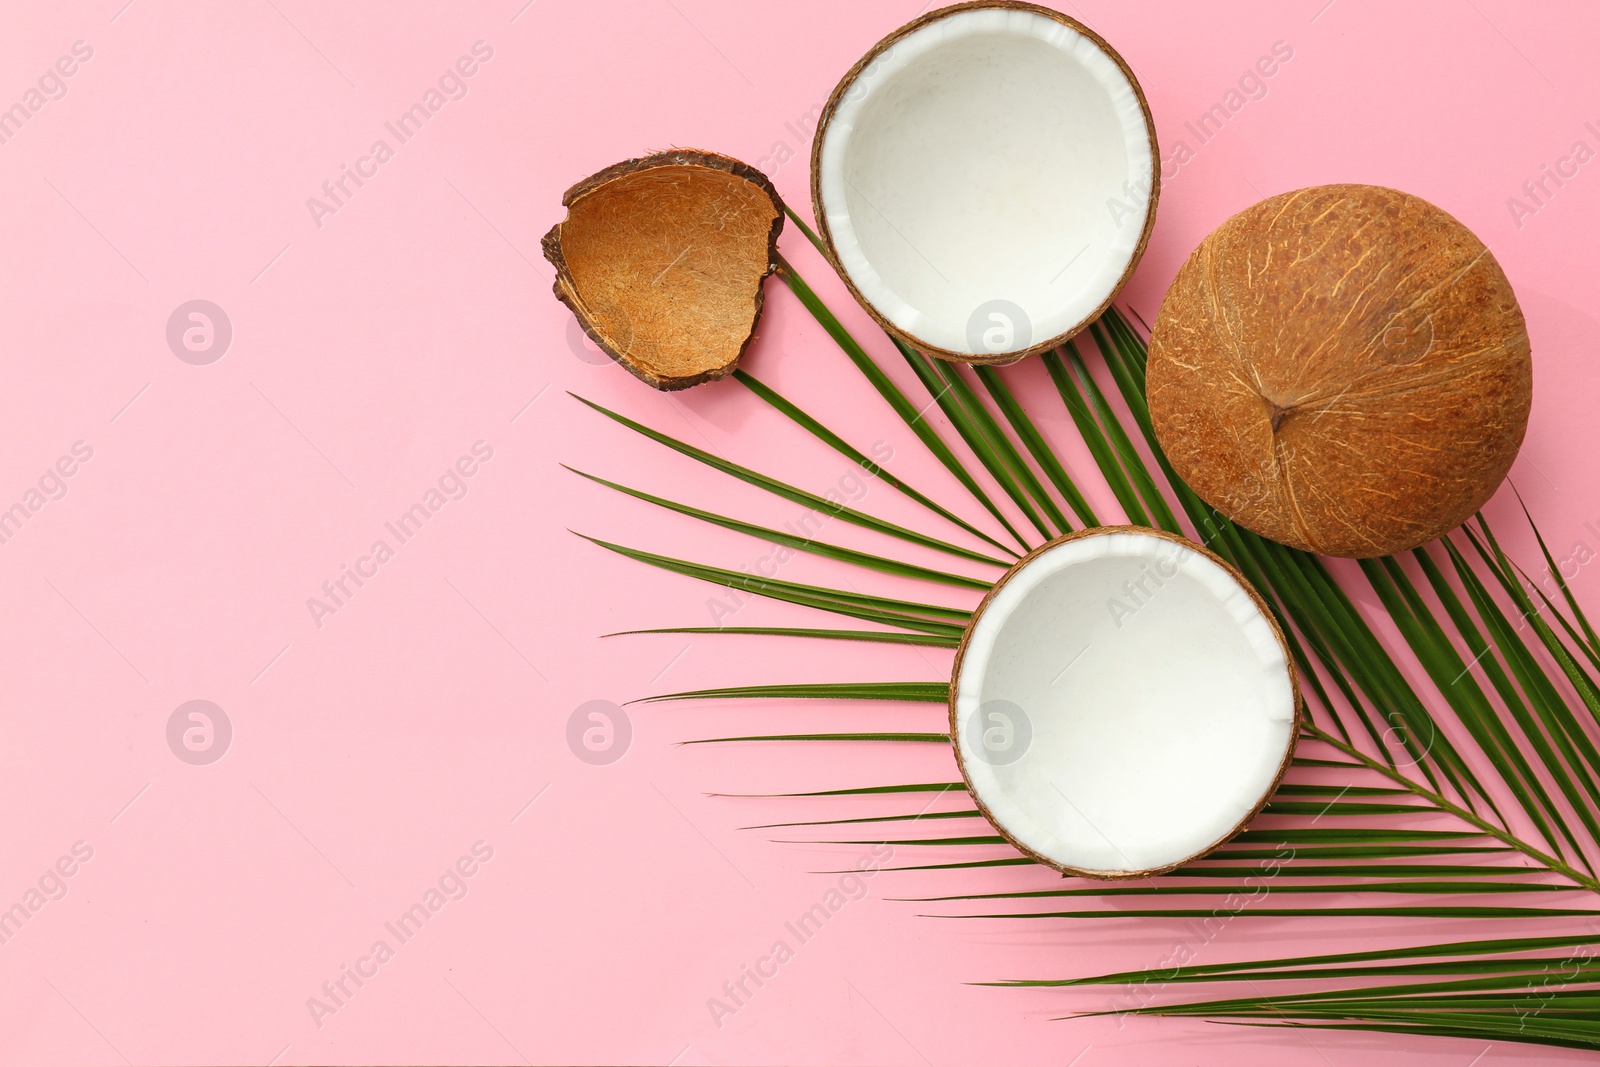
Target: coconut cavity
(985,179)
(1342,368)
(662,260)
(1122,703)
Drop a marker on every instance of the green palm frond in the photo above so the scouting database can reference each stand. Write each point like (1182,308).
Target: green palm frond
(874,636)
(936,739)
(914,692)
(789,492)
(794,541)
(1451,774)
(855,455)
(911,415)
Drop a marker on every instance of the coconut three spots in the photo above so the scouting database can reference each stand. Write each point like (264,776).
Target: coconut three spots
(1361,341)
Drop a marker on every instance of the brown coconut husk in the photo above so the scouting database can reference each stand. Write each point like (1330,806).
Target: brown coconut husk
(822,221)
(1343,369)
(1261,606)
(662,260)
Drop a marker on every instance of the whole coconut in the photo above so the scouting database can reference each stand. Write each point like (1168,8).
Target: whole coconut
(1343,369)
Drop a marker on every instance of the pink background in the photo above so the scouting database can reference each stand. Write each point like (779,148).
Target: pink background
(372,351)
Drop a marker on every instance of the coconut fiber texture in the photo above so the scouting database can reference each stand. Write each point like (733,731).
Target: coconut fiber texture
(662,260)
(1343,368)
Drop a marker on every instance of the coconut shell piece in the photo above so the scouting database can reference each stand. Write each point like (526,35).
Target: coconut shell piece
(662,260)
(1344,369)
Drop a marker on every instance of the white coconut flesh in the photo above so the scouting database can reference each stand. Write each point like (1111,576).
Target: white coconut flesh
(990,157)
(1122,704)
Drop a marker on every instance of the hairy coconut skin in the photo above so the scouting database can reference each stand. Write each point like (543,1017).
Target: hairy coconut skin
(662,260)
(820,214)
(955,714)
(1344,369)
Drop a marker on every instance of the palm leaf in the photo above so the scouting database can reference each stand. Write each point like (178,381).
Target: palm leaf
(789,540)
(880,735)
(789,492)
(983,436)
(928,619)
(914,692)
(873,636)
(1037,447)
(855,455)
(912,416)
(1450,784)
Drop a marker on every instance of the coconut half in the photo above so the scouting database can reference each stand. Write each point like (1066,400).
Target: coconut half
(662,260)
(1122,703)
(985,180)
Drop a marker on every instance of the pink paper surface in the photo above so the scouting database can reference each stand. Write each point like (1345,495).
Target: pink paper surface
(420,730)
